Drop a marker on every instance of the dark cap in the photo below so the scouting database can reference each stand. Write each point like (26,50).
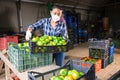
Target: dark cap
(56,7)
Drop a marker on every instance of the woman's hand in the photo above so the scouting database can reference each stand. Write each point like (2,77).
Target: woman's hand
(28,34)
(29,29)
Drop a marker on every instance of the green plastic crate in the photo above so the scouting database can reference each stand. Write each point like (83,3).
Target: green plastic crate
(23,60)
(110,59)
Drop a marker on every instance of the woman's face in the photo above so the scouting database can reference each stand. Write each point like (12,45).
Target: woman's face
(56,14)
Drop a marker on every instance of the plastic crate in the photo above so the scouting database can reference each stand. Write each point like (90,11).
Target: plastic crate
(87,68)
(23,60)
(70,31)
(98,53)
(115,76)
(4,41)
(99,44)
(104,63)
(111,50)
(47,49)
(116,43)
(97,64)
(70,46)
(110,59)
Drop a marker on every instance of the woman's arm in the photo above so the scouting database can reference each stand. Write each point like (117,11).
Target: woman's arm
(36,25)
(65,31)
(33,27)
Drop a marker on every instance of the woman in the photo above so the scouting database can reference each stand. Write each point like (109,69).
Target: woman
(52,26)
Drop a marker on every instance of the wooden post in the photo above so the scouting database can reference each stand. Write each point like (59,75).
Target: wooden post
(7,72)
(1,65)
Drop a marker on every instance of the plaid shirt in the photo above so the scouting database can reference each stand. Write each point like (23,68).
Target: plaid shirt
(59,30)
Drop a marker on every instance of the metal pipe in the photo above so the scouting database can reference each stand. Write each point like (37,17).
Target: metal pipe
(111,4)
(18,6)
(84,3)
(77,7)
(71,6)
(62,5)
(32,1)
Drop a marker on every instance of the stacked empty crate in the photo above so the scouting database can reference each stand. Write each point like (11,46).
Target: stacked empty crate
(99,49)
(4,41)
(71,37)
(23,60)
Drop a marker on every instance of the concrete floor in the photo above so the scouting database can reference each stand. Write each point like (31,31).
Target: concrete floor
(81,50)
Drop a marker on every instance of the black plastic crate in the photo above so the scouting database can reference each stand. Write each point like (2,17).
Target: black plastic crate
(70,45)
(70,31)
(115,76)
(99,44)
(47,49)
(87,68)
(98,53)
(105,62)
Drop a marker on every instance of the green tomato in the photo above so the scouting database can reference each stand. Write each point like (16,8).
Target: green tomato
(39,43)
(56,78)
(35,39)
(70,72)
(81,73)
(11,44)
(63,72)
(27,49)
(20,45)
(25,44)
(50,38)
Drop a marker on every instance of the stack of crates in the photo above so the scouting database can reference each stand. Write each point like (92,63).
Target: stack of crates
(23,60)
(99,49)
(75,35)
(82,35)
(71,37)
